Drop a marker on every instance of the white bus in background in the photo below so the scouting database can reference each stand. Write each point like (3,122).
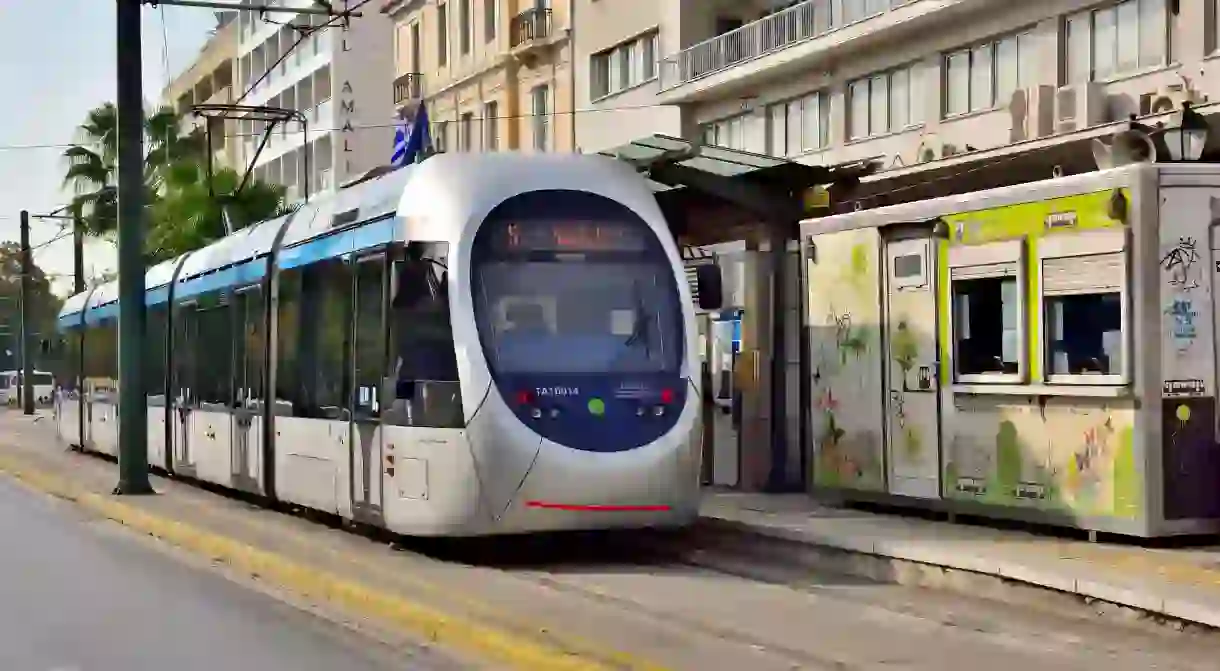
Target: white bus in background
(10,386)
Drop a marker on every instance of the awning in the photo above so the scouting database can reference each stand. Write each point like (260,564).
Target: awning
(689,176)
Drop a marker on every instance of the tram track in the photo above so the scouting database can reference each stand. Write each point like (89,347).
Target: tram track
(539,562)
(699,598)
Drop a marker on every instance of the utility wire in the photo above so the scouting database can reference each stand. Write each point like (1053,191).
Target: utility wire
(389,124)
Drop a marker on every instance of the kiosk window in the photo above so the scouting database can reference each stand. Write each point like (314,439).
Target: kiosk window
(1083,303)
(988,312)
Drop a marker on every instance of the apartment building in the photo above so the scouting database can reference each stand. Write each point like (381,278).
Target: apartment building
(334,73)
(494,74)
(922,86)
(209,81)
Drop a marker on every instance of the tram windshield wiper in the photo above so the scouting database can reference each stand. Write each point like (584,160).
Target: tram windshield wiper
(641,330)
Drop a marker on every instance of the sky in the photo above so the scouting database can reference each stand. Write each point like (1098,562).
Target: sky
(57,60)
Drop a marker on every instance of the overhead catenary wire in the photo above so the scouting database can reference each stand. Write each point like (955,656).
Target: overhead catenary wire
(304,32)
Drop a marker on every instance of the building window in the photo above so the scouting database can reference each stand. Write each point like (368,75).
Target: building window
(465,25)
(798,126)
(416,47)
(884,102)
(489,20)
(1117,39)
(442,34)
(623,66)
(440,136)
(491,126)
(728,133)
(986,75)
(466,138)
(855,10)
(1213,27)
(988,315)
(541,119)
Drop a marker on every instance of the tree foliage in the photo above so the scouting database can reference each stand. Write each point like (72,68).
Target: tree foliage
(182,212)
(41,312)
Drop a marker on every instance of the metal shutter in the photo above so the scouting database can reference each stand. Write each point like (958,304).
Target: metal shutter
(1091,274)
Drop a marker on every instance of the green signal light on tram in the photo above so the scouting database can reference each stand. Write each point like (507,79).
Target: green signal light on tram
(597,407)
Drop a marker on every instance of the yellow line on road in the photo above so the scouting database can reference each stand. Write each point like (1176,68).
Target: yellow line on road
(444,630)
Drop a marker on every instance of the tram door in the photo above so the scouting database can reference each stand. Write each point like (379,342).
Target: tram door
(186,331)
(369,357)
(250,389)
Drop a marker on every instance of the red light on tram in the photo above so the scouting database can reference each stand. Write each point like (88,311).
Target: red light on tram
(667,396)
(525,397)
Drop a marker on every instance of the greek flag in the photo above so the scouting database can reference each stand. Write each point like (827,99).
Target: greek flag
(411,138)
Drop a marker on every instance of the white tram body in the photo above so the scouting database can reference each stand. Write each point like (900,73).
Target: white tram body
(473,345)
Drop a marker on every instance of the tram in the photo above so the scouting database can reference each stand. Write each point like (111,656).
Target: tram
(477,344)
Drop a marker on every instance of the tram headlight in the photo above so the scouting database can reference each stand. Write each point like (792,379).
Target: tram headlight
(658,411)
(536,413)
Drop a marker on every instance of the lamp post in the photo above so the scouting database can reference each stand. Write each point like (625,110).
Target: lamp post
(1186,141)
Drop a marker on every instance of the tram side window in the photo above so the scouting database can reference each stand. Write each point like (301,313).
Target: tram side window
(988,312)
(287,318)
(248,343)
(101,359)
(73,359)
(153,357)
(214,349)
(423,356)
(314,324)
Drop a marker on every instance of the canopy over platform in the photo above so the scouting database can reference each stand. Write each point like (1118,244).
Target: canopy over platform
(708,193)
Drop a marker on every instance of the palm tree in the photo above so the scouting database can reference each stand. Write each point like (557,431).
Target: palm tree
(187,215)
(183,213)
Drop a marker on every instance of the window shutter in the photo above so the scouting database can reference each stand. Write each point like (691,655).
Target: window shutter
(1096,273)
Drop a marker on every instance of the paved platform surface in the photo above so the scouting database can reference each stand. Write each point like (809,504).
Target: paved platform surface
(597,607)
(1179,583)
(77,594)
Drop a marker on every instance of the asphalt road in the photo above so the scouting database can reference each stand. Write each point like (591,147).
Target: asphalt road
(78,596)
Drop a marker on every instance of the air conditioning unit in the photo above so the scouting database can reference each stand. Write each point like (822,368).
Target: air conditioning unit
(1032,113)
(1080,106)
(1168,99)
(932,149)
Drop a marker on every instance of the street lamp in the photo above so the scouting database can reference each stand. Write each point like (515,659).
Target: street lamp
(1186,141)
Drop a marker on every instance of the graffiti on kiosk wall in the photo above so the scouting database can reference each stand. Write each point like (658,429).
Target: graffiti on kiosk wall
(1068,456)
(1181,270)
(845,331)
(1183,313)
(1181,263)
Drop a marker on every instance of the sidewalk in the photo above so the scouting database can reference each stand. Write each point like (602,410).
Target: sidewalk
(1183,584)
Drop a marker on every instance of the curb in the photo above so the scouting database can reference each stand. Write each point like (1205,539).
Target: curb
(432,626)
(906,563)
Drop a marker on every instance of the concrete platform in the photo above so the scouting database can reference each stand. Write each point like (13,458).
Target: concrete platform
(1182,584)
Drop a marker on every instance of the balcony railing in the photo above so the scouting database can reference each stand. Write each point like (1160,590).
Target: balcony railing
(532,24)
(798,23)
(408,87)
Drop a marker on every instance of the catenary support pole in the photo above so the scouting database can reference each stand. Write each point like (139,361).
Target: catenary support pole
(78,253)
(23,347)
(133,422)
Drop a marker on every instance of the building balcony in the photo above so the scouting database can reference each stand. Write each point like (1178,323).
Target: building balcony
(794,39)
(408,87)
(531,27)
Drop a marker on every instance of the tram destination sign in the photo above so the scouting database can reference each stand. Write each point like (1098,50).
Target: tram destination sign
(570,236)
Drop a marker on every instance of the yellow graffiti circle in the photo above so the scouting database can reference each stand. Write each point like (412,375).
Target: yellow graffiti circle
(1183,413)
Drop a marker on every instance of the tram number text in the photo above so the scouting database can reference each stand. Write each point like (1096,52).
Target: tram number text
(557,391)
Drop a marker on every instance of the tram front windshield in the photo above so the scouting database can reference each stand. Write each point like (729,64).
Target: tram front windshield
(573,282)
